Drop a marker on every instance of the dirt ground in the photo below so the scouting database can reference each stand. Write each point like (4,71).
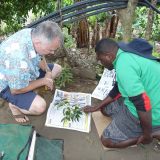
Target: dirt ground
(79,145)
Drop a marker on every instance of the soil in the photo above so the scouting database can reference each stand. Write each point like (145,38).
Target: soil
(79,145)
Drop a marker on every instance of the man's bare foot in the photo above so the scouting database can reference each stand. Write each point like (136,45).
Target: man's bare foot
(18,115)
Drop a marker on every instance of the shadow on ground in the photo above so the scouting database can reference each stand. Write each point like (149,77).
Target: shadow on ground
(79,145)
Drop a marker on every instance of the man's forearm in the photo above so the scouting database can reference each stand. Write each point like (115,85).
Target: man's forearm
(105,102)
(32,85)
(143,107)
(146,122)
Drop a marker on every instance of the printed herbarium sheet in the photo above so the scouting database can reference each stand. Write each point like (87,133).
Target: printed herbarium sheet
(105,84)
(65,111)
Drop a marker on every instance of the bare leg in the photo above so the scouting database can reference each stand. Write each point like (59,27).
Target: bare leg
(108,143)
(15,111)
(38,107)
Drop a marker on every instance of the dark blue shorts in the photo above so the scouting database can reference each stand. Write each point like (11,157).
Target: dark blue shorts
(24,100)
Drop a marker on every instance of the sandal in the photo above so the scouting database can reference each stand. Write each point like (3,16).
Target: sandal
(22,116)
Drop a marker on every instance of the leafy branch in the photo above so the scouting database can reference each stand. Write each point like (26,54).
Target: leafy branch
(70,113)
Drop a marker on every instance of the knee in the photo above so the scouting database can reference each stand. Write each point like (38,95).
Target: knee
(57,69)
(107,142)
(104,112)
(39,106)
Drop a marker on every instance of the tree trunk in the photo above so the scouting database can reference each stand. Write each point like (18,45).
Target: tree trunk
(82,33)
(93,39)
(106,30)
(97,32)
(113,25)
(110,26)
(126,17)
(148,33)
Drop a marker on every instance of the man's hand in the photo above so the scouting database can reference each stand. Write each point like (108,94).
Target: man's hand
(145,139)
(48,77)
(105,102)
(146,124)
(48,82)
(88,109)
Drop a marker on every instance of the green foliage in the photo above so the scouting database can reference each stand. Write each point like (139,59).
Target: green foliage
(99,71)
(14,13)
(63,103)
(101,17)
(139,25)
(92,20)
(70,112)
(65,77)
(119,33)
(67,2)
(156,30)
(69,41)
(156,54)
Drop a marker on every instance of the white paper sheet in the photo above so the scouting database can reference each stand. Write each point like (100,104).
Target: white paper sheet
(105,84)
(55,115)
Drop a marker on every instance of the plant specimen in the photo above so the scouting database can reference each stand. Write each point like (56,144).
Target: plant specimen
(70,112)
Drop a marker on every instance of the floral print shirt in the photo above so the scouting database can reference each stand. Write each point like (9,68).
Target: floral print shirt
(19,62)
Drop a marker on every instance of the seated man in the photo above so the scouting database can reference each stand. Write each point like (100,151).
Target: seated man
(22,69)
(136,116)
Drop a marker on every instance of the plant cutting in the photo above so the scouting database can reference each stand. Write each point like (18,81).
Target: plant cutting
(70,112)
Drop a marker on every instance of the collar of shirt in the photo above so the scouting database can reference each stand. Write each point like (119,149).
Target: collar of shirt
(117,56)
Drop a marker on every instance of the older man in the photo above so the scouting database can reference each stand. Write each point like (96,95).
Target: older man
(22,69)
(136,119)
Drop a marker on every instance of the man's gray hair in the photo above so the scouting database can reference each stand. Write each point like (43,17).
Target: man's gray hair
(47,31)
